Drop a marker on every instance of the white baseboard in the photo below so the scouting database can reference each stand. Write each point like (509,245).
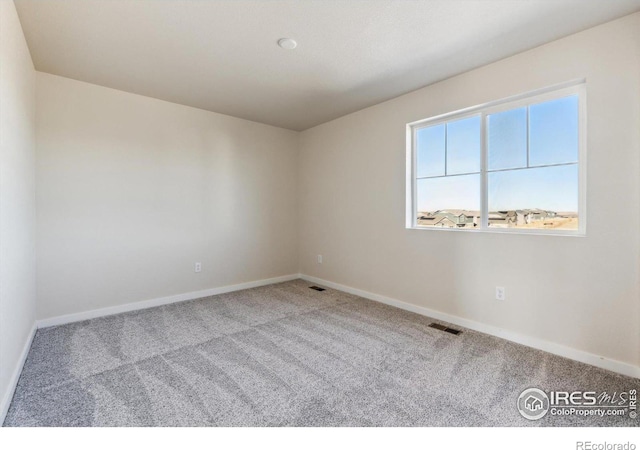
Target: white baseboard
(537,343)
(85,315)
(13,382)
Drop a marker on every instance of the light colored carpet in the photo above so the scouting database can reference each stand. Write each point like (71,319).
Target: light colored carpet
(285,355)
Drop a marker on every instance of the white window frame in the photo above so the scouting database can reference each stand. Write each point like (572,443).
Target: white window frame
(576,87)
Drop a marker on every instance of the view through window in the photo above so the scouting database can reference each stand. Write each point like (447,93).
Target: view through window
(514,165)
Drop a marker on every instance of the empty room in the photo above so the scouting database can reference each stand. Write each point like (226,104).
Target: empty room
(321,214)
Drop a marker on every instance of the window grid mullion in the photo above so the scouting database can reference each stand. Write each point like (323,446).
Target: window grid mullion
(446,141)
(448,176)
(484,207)
(542,166)
(414,176)
(527,124)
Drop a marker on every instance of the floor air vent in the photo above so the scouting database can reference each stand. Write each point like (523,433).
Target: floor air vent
(317,288)
(437,326)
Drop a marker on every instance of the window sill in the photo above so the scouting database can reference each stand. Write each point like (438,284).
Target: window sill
(534,232)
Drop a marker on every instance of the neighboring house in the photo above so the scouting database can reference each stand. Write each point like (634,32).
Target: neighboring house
(498,220)
(537,215)
(444,222)
(522,217)
(512,218)
(451,218)
(459,218)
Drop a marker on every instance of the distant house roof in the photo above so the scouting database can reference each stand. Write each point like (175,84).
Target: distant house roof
(443,219)
(460,212)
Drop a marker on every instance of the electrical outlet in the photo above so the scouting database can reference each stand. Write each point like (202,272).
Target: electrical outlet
(319,259)
(198,267)
(500,293)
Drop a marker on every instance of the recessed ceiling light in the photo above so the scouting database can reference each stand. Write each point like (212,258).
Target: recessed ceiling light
(287,43)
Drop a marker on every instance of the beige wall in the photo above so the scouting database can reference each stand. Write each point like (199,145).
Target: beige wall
(132,191)
(582,293)
(17,198)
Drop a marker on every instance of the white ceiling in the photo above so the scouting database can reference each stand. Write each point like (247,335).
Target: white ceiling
(221,55)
